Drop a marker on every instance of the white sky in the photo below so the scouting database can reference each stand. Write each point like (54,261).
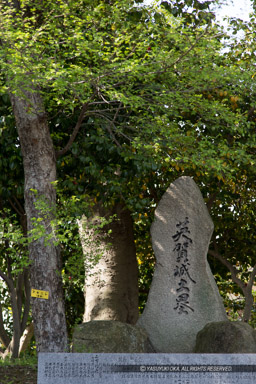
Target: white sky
(235,8)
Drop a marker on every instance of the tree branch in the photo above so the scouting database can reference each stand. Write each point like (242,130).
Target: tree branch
(108,128)
(9,269)
(252,278)
(19,205)
(19,291)
(231,268)
(5,278)
(76,129)
(15,208)
(211,200)
(27,300)
(190,48)
(14,345)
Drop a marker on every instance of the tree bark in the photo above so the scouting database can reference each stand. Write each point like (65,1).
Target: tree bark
(111,284)
(249,301)
(40,173)
(4,338)
(13,346)
(26,338)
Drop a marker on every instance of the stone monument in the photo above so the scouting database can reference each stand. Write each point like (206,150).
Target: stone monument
(183,296)
(141,368)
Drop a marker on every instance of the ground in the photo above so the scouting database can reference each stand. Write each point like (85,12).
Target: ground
(17,374)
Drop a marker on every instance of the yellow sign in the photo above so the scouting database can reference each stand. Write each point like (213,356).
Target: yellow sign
(40,294)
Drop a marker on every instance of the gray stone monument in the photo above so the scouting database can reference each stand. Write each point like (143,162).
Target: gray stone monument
(183,296)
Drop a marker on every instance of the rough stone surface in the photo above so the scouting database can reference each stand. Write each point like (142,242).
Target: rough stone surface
(104,336)
(183,296)
(226,337)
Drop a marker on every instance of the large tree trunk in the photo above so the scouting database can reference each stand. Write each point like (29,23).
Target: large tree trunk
(111,285)
(40,173)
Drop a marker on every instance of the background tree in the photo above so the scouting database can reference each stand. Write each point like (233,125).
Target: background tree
(15,291)
(234,242)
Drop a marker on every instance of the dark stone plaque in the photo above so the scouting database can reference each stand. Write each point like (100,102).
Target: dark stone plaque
(108,368)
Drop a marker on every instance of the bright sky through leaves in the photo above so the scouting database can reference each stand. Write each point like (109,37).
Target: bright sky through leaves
(235,8)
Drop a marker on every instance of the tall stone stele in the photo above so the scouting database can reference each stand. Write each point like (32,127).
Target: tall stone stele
(183,296)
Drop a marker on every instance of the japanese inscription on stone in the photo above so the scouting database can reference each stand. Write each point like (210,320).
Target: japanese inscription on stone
(182,242)
(90,368)
(183,295)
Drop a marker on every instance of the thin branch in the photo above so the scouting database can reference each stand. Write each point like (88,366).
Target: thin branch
(189,49)
(103,98)
(14,346)
(19,205)
(9,268)
(108,128)
(211,200)
(27,300)
(117,112)
(252,278)
(5,278)
(125,136)
(14,207)
(105,110)
(19,291)
(74,134)
(76,129)
(231,268)
(103,102)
